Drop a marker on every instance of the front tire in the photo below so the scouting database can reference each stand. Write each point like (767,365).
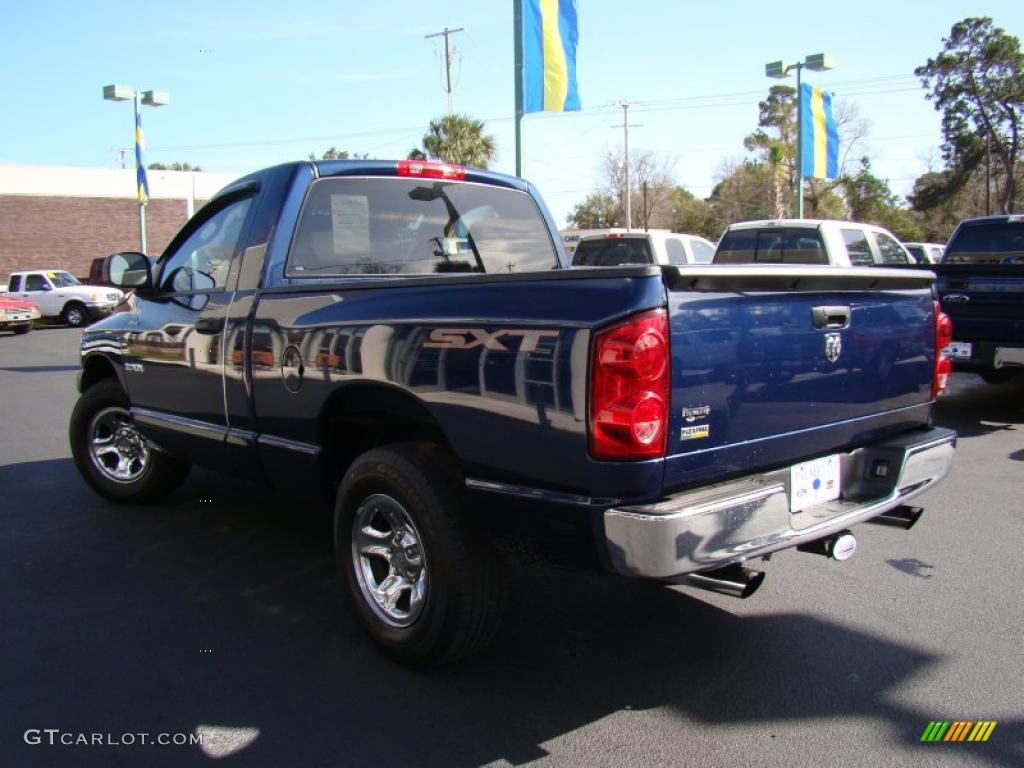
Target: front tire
(426,583)
(75,315)
(21,330)
(112,456)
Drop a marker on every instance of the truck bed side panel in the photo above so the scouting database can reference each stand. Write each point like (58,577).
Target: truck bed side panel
(500,364)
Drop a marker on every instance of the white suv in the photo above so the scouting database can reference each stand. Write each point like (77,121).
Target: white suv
(60,295)
(810,241)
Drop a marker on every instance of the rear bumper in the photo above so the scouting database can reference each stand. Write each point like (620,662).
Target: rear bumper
(712,527)
(992,355)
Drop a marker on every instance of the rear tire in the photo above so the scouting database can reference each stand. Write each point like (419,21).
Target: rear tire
(426,582)
(75,314)
(112,456)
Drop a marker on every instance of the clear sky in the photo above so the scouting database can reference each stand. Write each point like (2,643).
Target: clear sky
(256,83)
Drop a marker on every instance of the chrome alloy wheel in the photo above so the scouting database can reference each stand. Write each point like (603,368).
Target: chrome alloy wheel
(116,448)
(389,562)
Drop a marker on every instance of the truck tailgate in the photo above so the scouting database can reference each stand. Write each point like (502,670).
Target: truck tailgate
(775,365)
(985,302)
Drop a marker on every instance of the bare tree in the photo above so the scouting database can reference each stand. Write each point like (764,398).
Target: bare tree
(651,182)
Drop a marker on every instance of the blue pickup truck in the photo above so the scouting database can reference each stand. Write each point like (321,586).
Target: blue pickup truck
(406,340)
(981,288)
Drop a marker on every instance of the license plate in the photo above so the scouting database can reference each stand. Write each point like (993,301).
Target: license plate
(959,350)
(813,482)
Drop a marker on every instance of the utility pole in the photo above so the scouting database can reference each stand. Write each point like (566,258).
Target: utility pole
(447,60)
(988,173)
(625,140)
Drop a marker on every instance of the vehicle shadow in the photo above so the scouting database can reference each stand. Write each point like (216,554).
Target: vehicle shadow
(975,408)
(221,609)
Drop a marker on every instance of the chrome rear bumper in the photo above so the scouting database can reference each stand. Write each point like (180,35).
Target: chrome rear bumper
(711,527)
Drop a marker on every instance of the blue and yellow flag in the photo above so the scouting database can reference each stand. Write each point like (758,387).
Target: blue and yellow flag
(140,169)
(820,139)
(550,34)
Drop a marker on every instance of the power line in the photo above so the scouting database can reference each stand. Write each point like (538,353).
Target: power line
(447,59)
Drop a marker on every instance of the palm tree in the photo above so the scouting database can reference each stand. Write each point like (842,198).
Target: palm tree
(459,139)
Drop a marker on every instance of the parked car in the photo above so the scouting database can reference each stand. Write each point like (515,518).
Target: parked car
(925,253)
(404,341)
(17,314)
(59,295)
(810,241)
(614,249)
(981,287)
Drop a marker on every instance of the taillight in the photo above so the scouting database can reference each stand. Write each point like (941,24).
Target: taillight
(943,336)
(430,170)
(629,389)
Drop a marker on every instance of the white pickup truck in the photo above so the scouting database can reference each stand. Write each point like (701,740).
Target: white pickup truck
(59,294)
(810,241)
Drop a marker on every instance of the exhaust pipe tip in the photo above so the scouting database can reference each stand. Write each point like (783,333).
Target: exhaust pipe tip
(733,580)
(839,546)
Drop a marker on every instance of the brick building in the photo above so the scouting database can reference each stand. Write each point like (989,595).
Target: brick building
(63,218)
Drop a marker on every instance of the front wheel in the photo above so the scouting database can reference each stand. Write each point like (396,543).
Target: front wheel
(75,315)
(110,453)
(21,330)
(426,583)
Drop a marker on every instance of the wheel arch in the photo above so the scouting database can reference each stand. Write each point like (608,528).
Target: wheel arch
(364,415)
(97,368)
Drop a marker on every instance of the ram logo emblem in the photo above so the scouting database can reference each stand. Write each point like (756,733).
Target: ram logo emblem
(833,347)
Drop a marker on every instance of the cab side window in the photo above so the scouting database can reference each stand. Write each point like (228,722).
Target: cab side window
(201,263)
(857,247)
(891,251)
(702,252)
(34,283)
(674,249)
(15,283)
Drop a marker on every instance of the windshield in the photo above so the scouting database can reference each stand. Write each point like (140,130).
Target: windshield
(62,279)
(989,242)
(392,226)
(612,251)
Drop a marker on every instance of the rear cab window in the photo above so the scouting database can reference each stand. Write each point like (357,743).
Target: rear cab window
(778,245)
(613,251)
(988,242)
(395,226)
(15,283)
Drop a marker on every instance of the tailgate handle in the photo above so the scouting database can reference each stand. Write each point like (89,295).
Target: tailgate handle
(831,318)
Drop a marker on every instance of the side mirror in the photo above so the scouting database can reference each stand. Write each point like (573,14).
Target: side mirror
(130,269)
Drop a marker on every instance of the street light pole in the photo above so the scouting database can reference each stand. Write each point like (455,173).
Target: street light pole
(150,99)
(818,62)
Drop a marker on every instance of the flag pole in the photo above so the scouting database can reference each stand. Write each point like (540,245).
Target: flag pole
(799,143)
(140,171)
(517,22)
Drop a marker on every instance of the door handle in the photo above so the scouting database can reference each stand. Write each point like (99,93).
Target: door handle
(209,325)
(831,318)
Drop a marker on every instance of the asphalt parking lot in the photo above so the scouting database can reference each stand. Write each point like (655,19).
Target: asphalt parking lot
(218,612)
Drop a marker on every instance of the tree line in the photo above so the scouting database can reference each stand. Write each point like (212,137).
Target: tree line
(976,82)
